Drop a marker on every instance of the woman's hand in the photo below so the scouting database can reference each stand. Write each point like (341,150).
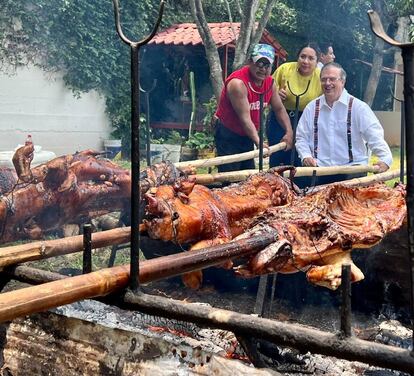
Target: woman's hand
(282,94)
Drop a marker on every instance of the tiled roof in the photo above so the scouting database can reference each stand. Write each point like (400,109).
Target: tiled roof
(223,33)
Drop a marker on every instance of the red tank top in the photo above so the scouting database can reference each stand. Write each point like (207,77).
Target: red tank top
(225,111)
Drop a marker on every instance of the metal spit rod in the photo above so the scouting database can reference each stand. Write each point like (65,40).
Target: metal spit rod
(87,248)
(407,51)
(135,161)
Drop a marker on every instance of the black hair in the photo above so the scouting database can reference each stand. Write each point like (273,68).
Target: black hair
(325,46)
(314,47)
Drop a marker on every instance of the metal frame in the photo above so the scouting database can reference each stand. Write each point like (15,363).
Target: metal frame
(293,335)
(344,345)
(135,162)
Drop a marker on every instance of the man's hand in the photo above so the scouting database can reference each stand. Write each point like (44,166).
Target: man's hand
(288,138)
(309,162)
(265,147)
(381,167)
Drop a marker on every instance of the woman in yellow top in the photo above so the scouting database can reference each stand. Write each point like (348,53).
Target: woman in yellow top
(292,79)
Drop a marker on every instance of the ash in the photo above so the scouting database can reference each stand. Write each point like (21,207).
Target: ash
(285,361)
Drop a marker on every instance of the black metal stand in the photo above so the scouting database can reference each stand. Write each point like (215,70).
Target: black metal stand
(135,161)
(402,140)
(296,118)
(87,249)
(346,330)
(408,59)
(261,122)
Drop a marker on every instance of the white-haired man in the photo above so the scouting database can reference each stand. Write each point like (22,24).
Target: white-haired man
(338,129)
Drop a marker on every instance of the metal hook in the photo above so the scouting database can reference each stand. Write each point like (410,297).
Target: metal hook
(296,119)
(378,30)
(122,35)
(154,83)
(395,98)
(135,158)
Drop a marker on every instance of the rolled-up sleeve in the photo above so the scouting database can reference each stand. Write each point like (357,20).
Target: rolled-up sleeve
(373,134)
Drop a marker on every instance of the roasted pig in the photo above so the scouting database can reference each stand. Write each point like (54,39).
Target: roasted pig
(186,213)
(317,232)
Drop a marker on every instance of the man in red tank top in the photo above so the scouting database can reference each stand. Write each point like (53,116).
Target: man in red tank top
(238,109)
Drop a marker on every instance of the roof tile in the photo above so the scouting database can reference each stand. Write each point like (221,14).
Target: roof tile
(223,33)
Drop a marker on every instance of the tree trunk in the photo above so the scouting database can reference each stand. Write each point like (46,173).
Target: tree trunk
(402,34)
(378,57)
(209,45)
(249,35)
(375,74)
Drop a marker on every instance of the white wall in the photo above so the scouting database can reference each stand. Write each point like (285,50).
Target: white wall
(391,122)
(37,103)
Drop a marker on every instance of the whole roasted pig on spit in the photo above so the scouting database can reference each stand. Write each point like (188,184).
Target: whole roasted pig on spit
(68,189)
(316,232)
(190,213)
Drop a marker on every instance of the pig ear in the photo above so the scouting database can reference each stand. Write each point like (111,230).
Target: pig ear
(152,204)
(185,185)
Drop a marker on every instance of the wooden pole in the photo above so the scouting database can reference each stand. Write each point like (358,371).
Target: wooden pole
(100,283)
(217,161)
(49,248)
(235,176)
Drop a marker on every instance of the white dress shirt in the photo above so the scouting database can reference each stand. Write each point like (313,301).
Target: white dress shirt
(366,130)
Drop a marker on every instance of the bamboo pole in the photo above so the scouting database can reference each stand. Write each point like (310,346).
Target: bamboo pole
(217,161)
(235,176)
(103,282)
(49,248)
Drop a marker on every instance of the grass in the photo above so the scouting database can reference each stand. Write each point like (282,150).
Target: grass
(395,164)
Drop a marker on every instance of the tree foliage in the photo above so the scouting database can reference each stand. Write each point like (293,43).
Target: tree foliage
(78,38)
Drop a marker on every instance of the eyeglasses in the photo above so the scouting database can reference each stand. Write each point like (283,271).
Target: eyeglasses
(324,80)
(262,64)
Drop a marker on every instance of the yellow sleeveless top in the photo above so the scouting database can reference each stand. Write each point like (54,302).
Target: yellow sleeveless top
(288,72)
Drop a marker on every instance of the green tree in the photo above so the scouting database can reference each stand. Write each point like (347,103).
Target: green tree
(78,38)
(253,15)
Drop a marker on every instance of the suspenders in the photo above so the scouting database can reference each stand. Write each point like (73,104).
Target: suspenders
(348,129)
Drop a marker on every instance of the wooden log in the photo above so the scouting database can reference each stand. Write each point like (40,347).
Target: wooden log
(284,334)
(377,178)
(333,170)
(288,334)
(217,161)
(103,282)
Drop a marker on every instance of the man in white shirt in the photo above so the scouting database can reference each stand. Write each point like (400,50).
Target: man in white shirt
(336,128)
